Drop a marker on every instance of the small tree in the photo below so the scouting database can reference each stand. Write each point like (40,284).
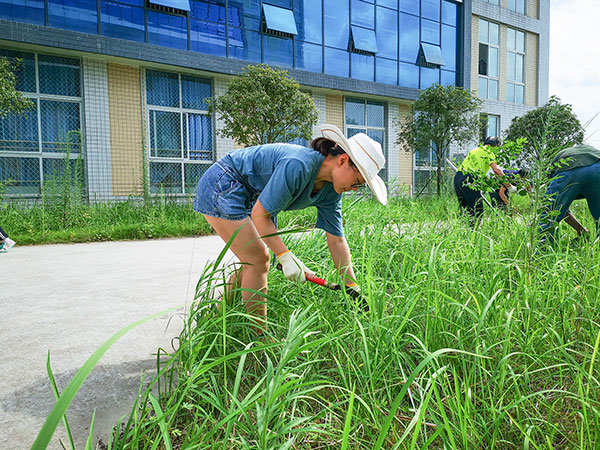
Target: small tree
(548,129)
(265,105)
(11,100)
(441,116)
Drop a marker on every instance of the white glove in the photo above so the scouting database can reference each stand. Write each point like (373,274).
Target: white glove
(512,189)
(293,269)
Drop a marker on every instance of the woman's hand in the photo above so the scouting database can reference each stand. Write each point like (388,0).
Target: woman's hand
(293,269)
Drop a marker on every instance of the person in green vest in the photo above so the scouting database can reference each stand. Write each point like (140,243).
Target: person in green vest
(476,164)
(575,175)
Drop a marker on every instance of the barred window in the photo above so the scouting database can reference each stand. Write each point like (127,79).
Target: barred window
(180,137)
(33,146)
(515,87)
(366,116)
(488,59)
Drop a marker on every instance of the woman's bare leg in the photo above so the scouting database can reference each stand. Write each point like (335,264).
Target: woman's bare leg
(254,257)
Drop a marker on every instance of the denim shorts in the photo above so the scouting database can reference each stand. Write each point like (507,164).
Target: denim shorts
(221,194)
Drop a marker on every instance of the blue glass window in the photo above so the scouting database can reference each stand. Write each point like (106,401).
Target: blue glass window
(409,38)
(309,15)
(165,134)
(430,32)
(167,30)
(193,172)
(55,167)
(363,66)
(375,115)
(208,37)
(336,27)
(409,6)
(165,178)
(449,12)
(25,73)
(364,39)
(24,173)
(278,51)
(59,76)
(211,10)
(30,11)
(387,38)
(194,92)
(448,77)
(408,75)
(429,77)
(337,62)
(393,4)
(430,9)
(199,137)
(363,14)
(309,57)
(355,112)
(280,19)
(287,4)
(61,122)
(183,5)
(162,88)
(19,132)
(432,54)
(386,71)
(245,13)
(76,15)
(449,46)
(123,21)
(244,44)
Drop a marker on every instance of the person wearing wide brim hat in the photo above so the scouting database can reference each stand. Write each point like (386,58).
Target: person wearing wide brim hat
(242,193)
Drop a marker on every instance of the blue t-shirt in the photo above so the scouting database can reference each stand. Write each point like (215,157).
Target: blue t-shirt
(283,175)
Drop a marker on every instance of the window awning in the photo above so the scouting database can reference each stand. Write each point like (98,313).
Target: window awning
(432,54)
(183,5)
(364,39)
(279,19)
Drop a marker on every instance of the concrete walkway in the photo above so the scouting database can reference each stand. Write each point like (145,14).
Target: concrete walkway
(69,299)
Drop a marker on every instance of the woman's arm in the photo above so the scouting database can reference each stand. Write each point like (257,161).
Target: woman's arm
(571,220)
(340,253)
(500,174)
(265,227)
(502,194)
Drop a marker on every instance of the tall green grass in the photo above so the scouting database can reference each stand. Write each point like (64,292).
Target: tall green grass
(473,340)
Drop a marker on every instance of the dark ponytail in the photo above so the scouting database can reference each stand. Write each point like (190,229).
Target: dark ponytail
(328,147)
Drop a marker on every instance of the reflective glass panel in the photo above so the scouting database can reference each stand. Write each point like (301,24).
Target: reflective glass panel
(199,142)
(492,128)
(19,132)
(519,68)
(165,134)
(76,15)
(122,21)
(211,10)
(25,73)
(377,135)
(432,54)
(167,30)
(337,62)
(208,37)
(484,31)
(408,75)
(510,65)
(278,51)
(386,71)
(387,39)
(520,41)
(194,92)
(375,114)
(30,11)
(336,23)
(162,88)
(429,77)
(493,89)
(493,33)
(59,76)
(393,4)
(165,178)
(519,94)
(493,61)
(364,39)
(193,172)
(363,14)
(430,32)
(409,38)
(309,16)
(449,12)
(510,92)
(54,169)
(449,47)
(245,13)
(244,44)
(510,39)
(363,66)
(309,57)
(447,77)
(409,6)
(61,126)
(183,5)
(483,87)
(24,174)
(430,9)
(280,19)
(355,112)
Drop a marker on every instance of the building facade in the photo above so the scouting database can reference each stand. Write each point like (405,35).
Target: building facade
(120,86)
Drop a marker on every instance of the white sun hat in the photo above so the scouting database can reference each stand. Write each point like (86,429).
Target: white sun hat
(365,153)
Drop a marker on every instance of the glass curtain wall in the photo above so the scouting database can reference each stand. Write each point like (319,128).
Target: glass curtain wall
(36,147)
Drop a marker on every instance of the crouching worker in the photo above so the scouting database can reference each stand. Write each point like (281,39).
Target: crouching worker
(247,189)
(577,177)
(499,198)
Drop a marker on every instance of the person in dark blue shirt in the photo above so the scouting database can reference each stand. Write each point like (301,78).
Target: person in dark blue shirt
(244,191)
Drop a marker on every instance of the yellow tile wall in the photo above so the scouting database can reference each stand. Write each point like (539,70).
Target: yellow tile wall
(532,8)
(503,61)
(475,53)
(405,159)
(334,110)
(531,69)
(124,104)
